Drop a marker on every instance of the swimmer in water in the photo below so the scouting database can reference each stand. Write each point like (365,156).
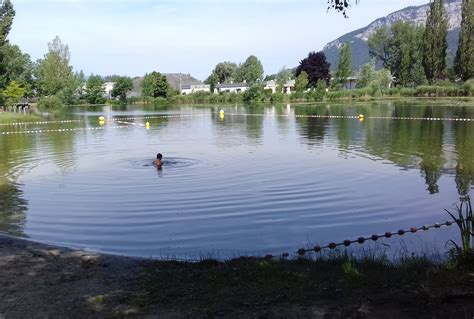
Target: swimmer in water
(158,163)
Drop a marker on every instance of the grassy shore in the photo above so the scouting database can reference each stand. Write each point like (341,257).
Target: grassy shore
(45,281)
(8,117)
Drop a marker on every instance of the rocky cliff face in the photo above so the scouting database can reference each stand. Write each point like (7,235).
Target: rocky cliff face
(417,15)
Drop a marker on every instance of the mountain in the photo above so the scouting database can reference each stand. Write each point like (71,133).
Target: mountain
(415,14)
(174,79)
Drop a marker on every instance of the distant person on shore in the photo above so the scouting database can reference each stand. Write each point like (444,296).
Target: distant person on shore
(158,163)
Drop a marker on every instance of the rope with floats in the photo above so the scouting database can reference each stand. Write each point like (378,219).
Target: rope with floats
(61,130)
(362,116)
(360,240)
(40,122)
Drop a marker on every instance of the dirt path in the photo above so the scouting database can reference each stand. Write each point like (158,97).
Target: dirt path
(41,281)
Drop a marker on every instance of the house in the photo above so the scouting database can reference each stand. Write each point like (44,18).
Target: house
(289,87)
(271,85)
(192,88)
(231,87)
(350,82)
(108,87)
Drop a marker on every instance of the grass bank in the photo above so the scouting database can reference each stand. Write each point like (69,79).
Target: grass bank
(334,287)
(46,281)
(8,117)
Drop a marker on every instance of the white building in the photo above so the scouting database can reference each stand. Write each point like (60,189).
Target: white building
(271,85)
(108,87)
(231,87)
(188,89)
(289,87)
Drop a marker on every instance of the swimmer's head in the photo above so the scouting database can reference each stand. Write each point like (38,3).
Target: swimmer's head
(159,156)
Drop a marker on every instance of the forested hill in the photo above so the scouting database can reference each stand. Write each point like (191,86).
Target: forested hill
(358,38)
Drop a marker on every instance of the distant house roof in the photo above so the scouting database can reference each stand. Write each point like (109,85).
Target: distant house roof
(195,86)
(271,83)
(174,79)
(231,85)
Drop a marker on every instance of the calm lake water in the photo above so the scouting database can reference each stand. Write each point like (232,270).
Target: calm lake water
(260,180)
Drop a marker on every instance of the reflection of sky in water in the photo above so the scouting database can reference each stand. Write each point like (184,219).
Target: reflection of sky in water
(266,181)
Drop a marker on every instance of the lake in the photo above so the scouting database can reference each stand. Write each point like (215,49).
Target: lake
(261,179)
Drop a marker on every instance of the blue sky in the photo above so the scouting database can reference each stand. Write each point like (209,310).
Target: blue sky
(132,37)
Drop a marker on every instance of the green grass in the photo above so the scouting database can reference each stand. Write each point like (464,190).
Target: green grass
(211,288)
(8,117)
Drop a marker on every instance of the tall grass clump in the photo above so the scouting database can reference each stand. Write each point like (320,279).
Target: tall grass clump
(463,217)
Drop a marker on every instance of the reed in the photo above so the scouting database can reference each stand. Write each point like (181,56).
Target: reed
(463,217)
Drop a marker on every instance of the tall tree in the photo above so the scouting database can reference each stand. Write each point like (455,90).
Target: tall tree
(250,71)
(54,73)
(13,93)
(80,80)
(122,85)
(224,72)
(464,61)
(380,46)
(283,76)
(95,90)
(316,66)
(343,70)
(301,83)
(15,66)
(367,75)
(7,13)
(434,43)
(398,48)
(155,85)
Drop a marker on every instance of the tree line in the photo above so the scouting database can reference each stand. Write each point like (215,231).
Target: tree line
(404,55)
(417,55)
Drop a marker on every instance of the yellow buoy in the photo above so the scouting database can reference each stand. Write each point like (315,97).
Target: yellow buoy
(101,118)
(221,114)
(101,123)
(361,116)
(147,125)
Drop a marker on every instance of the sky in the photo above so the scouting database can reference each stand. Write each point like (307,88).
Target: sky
(133,37)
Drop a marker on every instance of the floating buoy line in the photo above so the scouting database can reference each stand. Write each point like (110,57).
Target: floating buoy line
(360,240)
(41,122)
(221,113)
(362,117)
(61,130)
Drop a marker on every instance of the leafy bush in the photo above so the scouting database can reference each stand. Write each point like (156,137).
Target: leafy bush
(407,92)
(468,87)
(375,88)
(436,90)
(50,102)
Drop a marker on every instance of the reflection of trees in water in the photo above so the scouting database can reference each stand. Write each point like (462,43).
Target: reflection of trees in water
(431,147)
(12,209)
(312,129)
(254,123)
(15,150)
(411,143)
(464,133)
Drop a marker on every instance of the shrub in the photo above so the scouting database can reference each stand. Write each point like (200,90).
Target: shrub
(50,102)
(375,88)
(468,87)
(407,92)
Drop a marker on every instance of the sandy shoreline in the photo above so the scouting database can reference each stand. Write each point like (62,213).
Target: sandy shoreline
(39,281)
(45,281)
